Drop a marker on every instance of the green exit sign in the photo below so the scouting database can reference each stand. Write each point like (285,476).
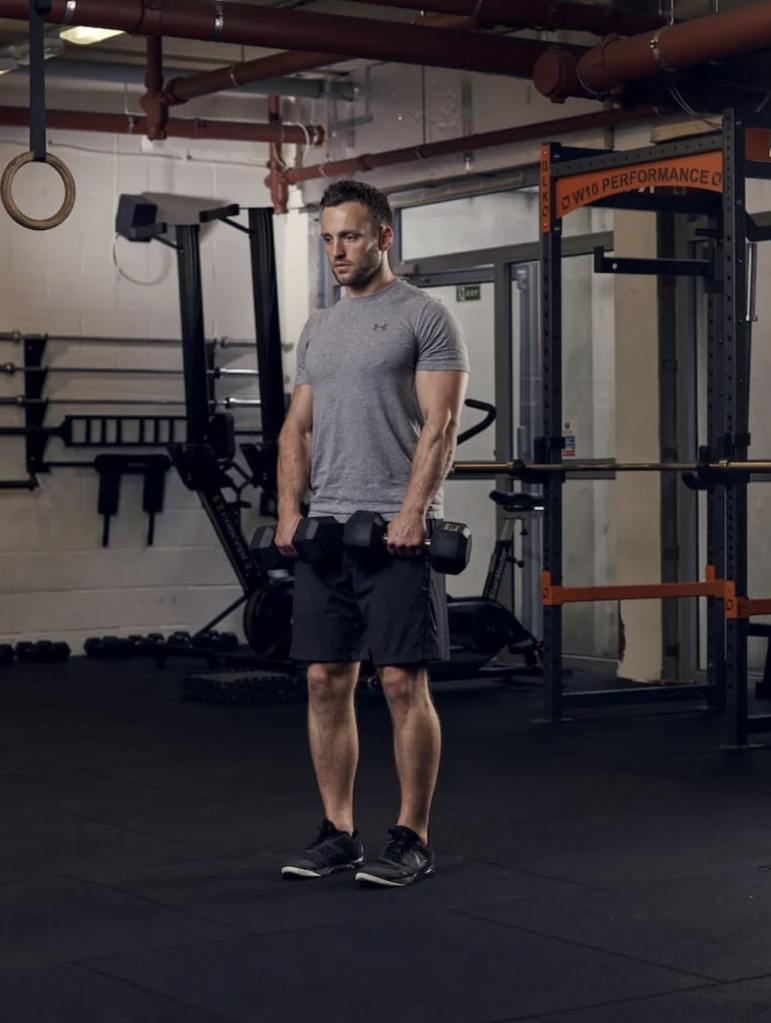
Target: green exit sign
(468,293)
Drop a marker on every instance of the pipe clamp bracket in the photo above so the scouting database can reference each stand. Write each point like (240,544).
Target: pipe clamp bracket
(655,46)
(219,19)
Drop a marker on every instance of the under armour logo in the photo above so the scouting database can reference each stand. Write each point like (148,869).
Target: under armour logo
(380,326)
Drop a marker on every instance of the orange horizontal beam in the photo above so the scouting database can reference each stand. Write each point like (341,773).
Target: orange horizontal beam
(743,607)
(736,608)
(556,596)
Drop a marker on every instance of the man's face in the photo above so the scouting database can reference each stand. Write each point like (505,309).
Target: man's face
(353,244)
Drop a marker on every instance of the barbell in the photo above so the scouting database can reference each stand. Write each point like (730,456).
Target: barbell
(517,467)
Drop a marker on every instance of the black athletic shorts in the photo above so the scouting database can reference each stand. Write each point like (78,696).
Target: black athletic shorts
(380,608)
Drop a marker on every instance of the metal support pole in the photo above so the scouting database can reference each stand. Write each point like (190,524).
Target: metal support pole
(736,417)
(669,445)
(504,421)
(530,613)
(716,675)
(193,337)
(268,333)
(551,362)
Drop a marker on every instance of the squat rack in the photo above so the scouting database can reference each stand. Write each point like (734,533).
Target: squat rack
(700,175)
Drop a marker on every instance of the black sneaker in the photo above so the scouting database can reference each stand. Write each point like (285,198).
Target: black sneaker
(331,851)
(404,860)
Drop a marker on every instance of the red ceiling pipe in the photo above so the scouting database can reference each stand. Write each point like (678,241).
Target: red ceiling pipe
(124,124)
(605,68)
(255,25)
(153,102)
(187,87)
(279,187)
(600,19)
(506,136)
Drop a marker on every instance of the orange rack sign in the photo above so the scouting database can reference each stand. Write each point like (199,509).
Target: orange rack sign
(699,170)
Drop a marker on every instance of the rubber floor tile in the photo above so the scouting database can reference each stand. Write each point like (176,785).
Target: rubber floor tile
(716,926)
(419,970)
(72,994)
(62,920)
(745,1002)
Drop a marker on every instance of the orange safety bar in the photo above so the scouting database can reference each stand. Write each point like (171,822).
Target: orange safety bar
(743,607)
(556,596)
(722,589)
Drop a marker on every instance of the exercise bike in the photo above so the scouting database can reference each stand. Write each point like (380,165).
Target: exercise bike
(481,627)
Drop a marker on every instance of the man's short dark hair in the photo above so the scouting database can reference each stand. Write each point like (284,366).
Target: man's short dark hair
(356,191)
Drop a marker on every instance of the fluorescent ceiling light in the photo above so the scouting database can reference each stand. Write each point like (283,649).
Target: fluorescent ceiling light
(84,36)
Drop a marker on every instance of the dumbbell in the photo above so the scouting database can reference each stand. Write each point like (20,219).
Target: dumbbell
(315,540)
(180,638)
(42,652)
(448,550)
(218,642)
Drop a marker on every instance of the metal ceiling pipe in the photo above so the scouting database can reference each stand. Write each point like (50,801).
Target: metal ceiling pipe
(132,74)
(506,136)
(250,25)
(235,76)
(599,19)
(183,89)
(126,124)
(279,189)
(607,67)
(153,102)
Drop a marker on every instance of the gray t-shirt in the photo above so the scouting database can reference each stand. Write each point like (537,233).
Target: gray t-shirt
(360,357)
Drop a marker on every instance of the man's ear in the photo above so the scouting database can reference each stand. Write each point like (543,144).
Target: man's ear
(386,239)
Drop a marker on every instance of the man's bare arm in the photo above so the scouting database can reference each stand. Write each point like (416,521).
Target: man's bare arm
(294,465)
(440,394)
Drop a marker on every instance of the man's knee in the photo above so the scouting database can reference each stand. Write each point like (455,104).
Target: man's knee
(404,684)
(331,682)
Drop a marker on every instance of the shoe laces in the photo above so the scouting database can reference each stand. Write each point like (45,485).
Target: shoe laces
(401,839)
(327,831)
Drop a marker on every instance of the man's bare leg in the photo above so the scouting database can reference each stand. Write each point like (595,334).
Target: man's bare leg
(334,738)
(417,742)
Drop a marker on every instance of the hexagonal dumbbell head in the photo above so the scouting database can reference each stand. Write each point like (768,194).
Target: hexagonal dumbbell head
(317,540)
(364,533)
(450,548)
(264,549)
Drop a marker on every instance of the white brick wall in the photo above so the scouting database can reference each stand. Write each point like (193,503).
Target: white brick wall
(56,581)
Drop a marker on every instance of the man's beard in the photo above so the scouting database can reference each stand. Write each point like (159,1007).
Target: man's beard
(361,276)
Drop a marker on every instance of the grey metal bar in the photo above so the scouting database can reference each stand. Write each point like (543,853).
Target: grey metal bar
(240,402)
(583,468)
(24,402)
(10,369)
(75,339)
(631,697)
(20,401)
(527,252)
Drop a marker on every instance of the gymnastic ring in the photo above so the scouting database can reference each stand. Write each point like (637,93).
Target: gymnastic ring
(6,192)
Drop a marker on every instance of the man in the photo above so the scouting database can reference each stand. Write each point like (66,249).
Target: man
(381,378)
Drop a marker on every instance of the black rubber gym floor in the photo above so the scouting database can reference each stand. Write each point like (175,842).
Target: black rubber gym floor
(615,869)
